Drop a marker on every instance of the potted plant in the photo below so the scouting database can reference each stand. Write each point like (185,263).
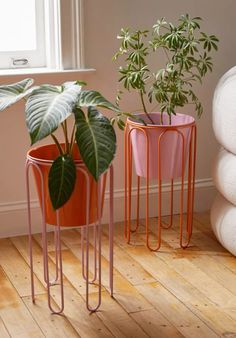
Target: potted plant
(91,139)
(187,53)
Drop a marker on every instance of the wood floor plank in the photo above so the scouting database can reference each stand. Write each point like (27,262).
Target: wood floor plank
(180,287)
(204,242)
(50,242)
(14,314)
(204,219)
(202,237)
(208,286)
(119,233)
(219,267)
(185,292)
(52,326)
(211,266)
(72,270)
(227,261)
(117,319)
(155,324)
(130,270)
(171,293)
(127,296)
(3,331)
(124,292)
(75,308)
(176,312)
(219,310)
(212,278)
(72,237)
(201,242)
(17,269)
(86,324)
(21,244)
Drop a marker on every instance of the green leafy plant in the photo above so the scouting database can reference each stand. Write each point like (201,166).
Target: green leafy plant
(187,59)
(47,108)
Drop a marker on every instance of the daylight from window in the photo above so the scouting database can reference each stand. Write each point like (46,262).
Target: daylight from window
(18,20)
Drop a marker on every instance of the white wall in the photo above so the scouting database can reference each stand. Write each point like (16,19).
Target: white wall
(103,20)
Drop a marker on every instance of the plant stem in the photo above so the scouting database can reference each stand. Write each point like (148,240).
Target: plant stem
(72,140)
(57,144)
(167,56)
(144,108)
(65,131)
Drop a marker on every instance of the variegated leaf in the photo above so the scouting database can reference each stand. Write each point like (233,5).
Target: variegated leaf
(10,94)
(48,107)
(61,180)
(96,140)
(89,98)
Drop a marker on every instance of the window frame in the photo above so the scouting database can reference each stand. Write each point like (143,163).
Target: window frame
(61,23)
(72,34)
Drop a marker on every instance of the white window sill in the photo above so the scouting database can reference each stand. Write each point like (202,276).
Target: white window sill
(35,71)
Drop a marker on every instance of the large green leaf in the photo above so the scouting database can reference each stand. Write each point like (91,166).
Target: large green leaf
(61,181)
(10,94)
(47,107)
(89,98)
(96,140)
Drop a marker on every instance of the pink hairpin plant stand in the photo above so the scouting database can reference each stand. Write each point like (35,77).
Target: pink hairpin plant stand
(89,219)
(161,153)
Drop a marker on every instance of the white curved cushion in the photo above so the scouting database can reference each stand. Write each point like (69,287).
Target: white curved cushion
(224,111)
(223,221)
(224,174)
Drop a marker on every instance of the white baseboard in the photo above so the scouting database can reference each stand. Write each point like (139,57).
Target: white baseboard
(13,216)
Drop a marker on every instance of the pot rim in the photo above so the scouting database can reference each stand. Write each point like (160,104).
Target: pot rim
(41,161)
(158,126)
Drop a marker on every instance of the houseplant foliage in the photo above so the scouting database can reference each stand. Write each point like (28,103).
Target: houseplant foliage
(187,52)
(47,108)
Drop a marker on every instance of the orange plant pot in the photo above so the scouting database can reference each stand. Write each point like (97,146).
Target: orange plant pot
(73,213)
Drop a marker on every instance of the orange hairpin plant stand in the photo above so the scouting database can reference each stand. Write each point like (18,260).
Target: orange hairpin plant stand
(89,219)
(161,153)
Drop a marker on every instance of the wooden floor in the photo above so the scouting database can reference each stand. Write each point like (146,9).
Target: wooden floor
(171,293)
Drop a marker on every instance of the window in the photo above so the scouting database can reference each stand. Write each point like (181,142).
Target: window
(41,33)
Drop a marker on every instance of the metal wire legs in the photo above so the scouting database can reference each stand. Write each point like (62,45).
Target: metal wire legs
(185,231)
(85,243)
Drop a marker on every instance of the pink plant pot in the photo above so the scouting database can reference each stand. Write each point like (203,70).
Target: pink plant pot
(167,142)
